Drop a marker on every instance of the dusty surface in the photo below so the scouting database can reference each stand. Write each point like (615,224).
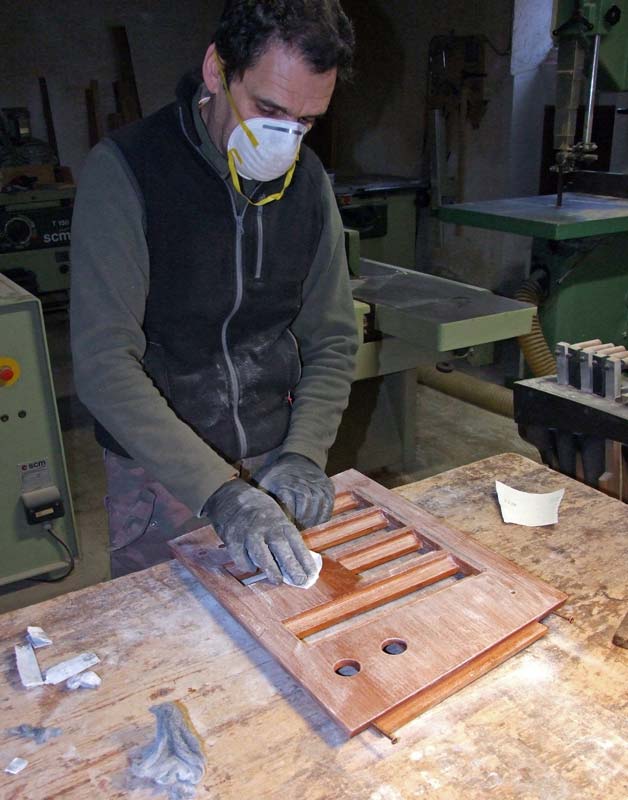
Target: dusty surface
(549,724)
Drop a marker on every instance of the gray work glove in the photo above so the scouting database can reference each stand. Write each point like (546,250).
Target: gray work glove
(300,486)
(258,533)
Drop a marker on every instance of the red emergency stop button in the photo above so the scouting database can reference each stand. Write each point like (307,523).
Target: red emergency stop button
(9,370)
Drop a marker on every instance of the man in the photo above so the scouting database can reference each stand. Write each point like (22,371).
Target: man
(213,331)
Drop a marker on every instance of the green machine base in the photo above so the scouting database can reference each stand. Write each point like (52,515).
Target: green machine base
(587,289)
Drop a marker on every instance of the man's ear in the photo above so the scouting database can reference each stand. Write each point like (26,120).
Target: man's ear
(211,75)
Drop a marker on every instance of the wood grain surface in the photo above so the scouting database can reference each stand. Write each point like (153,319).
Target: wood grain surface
(548,724)
(435,634)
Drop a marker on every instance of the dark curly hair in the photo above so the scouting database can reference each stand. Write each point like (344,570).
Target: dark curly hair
(318,29)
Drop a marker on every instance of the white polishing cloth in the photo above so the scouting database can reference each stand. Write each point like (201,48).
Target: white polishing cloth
(318,560)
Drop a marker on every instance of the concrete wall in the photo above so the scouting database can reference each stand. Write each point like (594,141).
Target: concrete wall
(382,116)
(69,44)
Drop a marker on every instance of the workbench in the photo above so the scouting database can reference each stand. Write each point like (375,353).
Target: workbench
(549,724)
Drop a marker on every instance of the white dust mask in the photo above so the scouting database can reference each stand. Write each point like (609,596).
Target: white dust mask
(261,148)
(264,148)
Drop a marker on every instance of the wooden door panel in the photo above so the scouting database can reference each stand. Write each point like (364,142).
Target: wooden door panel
(406,609)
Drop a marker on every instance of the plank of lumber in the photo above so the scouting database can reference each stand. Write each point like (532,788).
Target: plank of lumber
(127,93)
(48,118)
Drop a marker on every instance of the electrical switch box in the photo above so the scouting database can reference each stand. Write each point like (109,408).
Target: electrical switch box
(33,473)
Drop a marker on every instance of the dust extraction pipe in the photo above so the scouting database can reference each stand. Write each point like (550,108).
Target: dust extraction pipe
(465,387)
(487,395)
(537,354)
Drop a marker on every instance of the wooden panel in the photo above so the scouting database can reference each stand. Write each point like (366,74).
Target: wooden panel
(346,623)
(390,723)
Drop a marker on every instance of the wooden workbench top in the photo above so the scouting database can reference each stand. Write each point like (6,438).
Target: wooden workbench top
(550,723)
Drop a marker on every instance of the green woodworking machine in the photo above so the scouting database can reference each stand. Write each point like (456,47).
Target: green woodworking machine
(37,530)
(406,318)
(579,267)
(580,234)
(35,240)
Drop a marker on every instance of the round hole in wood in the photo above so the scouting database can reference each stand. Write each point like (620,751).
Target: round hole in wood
(394,647)
(347,667)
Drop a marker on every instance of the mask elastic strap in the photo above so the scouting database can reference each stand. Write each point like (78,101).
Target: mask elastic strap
(234,108)
(233,154)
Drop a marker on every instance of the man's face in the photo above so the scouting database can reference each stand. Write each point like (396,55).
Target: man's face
(281,85)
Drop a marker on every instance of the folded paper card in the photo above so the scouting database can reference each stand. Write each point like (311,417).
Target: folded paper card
(527,508)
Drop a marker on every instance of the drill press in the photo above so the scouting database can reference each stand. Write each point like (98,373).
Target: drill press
(592,38)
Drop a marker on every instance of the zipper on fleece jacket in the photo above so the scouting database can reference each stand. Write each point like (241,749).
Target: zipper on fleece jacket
(260,244)
(233,375)
(239,266)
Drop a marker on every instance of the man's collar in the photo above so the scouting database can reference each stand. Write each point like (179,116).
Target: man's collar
(201,97)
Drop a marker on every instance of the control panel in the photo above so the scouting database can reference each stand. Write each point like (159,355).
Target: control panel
(38,534)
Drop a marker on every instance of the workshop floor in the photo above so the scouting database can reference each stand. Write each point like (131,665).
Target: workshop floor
(450,433)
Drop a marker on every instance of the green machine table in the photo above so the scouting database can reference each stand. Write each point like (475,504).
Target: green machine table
(581,215)
(581,249)
(406,318)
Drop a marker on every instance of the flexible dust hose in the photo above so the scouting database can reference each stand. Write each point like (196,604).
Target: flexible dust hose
(465,387)
(537,354)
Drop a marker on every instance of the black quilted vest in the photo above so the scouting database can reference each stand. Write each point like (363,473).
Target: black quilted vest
(223,289)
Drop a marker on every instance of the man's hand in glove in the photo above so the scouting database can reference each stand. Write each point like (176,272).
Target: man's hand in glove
(300,486)
(258,533)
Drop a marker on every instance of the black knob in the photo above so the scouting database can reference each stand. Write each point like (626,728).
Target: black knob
(613,15)
(18,230)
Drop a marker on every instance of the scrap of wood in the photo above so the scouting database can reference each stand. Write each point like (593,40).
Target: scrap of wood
(125,89)
(50,126)
(92,101)
(28,666)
